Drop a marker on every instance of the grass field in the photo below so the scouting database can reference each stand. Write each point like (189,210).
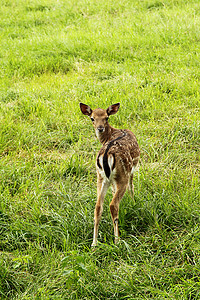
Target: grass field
(144,54)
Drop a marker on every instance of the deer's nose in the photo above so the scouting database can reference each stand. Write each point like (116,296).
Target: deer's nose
(100,129)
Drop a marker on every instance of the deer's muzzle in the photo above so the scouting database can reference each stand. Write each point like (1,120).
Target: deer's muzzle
(101,129)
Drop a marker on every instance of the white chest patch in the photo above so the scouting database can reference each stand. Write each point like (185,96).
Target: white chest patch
(97,134)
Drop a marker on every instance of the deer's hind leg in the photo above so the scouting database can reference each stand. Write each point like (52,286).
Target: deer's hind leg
(130,183)
(114,207)
(102,186)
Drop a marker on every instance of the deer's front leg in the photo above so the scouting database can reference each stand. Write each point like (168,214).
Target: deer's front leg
(102,186)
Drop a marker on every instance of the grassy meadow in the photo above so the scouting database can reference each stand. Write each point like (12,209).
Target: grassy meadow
(144,54)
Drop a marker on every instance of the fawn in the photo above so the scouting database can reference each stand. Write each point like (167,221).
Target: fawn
(115,163)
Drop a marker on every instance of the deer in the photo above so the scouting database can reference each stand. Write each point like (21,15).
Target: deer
(115,163)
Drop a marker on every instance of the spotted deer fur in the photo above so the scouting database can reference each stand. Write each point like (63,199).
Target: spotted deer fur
(115,163)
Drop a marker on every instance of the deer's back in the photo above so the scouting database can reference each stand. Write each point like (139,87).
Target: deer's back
(120,154)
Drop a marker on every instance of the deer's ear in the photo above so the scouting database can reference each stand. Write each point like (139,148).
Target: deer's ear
(86,110)
(113,109)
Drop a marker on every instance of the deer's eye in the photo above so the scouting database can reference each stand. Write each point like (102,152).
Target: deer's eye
(92,119)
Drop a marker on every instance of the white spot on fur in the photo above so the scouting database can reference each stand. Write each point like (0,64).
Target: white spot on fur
(123,165)
(132,170)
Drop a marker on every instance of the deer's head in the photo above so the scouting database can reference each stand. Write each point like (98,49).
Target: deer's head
(99,116)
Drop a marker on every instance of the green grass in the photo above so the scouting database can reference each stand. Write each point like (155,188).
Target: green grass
(53,55)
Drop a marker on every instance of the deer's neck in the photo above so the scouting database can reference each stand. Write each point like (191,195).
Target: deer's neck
(106,135)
